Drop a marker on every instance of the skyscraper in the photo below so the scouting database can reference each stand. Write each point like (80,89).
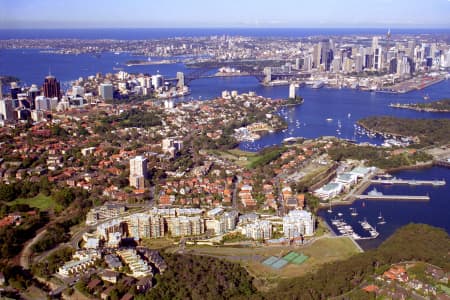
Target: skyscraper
(138,172)
(106,91)
(51,87)
(15,90)
(6,109)
(326,54)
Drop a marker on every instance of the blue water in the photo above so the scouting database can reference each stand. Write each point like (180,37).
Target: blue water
(158,33)
(307,120)
(398,213)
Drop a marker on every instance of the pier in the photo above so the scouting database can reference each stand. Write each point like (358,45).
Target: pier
(408,182)
(393,197)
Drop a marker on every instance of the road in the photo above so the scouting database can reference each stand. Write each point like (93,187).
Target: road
(25,255)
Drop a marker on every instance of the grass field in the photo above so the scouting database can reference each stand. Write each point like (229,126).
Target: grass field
(234,155)
(160,243)
(322,251)
(40,201)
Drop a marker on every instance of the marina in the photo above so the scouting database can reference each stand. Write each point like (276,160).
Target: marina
(345,229)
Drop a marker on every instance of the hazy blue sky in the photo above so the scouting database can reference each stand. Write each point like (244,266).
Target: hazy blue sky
(224,13)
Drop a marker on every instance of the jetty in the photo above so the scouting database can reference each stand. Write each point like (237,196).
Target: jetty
(408,182)
(393,197)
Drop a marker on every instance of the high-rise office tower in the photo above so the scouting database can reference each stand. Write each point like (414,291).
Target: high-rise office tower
(326,54)
(51,87)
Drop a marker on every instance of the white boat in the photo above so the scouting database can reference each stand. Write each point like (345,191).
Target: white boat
(374,192)
(382,221)
(318,84)
(380,216)
(329,120)
(340,214)
(354,213)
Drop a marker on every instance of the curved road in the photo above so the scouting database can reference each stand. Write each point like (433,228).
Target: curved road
(25,255)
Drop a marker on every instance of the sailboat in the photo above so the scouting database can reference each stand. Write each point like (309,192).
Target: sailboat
(382,221)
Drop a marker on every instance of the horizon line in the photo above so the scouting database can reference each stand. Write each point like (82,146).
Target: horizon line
(232,27)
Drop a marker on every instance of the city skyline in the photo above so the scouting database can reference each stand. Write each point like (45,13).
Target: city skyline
(201,13)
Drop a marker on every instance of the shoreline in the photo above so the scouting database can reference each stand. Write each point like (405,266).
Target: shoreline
(367,183)
(420,109)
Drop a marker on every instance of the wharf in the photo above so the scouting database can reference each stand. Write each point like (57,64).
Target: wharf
(409,182)
(393,197)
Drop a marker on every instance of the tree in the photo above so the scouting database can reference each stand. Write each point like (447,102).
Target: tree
(64,196)
(7,192)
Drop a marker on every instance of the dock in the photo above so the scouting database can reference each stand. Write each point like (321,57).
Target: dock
(393,197)
(409,182)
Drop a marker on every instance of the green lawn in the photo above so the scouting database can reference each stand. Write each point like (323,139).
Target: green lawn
(234,155)
(322,251)
(40,201)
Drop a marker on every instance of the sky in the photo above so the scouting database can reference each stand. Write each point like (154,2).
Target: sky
(18,14)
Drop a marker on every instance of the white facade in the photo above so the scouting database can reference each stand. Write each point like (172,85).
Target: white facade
(297,223)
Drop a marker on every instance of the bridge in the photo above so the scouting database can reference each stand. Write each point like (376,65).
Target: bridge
(409,182)
(265,76)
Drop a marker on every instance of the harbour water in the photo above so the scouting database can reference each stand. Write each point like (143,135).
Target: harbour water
(308,120)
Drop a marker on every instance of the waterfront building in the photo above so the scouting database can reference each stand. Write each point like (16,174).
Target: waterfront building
(138,172)
(329,190)
(298,223)
(106,91)
(51,87)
